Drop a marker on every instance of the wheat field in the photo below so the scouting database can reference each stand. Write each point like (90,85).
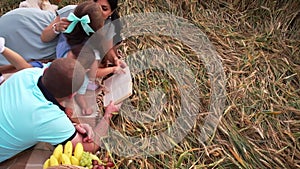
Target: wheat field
(258,43)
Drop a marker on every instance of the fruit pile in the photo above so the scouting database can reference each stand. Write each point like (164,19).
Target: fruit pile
(64,155)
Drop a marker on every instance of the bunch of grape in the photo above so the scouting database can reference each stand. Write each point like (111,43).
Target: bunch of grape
(102,165)
(91,161)
(97,165)
(86,160)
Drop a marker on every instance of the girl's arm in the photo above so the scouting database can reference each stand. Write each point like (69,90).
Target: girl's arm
(98,71)
(103,71)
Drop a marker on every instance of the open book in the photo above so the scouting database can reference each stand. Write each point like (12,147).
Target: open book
(119,87)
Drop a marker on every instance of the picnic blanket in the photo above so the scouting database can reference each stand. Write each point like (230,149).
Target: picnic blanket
(32,158)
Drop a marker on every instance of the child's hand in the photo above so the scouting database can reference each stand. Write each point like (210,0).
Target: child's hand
(122,63)
(103,89)
(2,44)
(118,70)
(119,62)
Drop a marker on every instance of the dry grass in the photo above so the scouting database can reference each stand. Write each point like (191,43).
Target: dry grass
(258,42)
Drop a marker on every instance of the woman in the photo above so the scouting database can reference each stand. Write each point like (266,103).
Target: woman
(25,37)
(23,33)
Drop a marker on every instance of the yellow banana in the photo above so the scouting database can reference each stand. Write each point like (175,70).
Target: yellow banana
(74,160)
(46,164)
(53,161)
(65,159)
(68,150)
(94,157)
(58,152)
(78,150)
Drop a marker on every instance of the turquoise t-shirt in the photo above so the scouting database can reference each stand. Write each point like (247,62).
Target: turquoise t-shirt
(27,117)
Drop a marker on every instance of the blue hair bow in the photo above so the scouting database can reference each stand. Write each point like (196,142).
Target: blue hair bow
(84,23)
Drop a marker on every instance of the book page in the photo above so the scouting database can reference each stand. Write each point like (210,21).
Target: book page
(119,87)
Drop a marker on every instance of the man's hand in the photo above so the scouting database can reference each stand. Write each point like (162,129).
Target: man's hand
(87,132)
(110,109)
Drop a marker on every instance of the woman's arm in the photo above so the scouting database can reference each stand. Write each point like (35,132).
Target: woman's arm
(48,33)
(15,59)
(57,26)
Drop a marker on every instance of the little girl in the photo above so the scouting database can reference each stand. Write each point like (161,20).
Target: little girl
(86,20)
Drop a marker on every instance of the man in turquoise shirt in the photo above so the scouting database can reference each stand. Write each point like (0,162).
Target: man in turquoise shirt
(30,111)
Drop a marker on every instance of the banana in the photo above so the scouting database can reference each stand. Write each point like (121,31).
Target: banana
(74,160)
(53,161)
(65,159)
(58,152)
(68,150)
(94,157)
(78,150)
(46,164)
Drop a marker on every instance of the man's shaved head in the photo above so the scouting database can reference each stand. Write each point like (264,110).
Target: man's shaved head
(63,77)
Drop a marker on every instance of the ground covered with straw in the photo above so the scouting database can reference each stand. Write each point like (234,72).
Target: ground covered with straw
(258,43)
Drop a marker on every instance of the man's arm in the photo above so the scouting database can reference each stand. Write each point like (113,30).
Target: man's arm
(100,131)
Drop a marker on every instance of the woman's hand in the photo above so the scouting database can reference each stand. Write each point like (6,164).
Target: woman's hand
(61,25)
(54,28)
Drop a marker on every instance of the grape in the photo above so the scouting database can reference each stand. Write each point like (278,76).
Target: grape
(95,162)
(85,160)
(101,167)
(110,164)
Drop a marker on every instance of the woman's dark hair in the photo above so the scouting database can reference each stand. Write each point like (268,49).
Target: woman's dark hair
(115,20)
(94,11)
